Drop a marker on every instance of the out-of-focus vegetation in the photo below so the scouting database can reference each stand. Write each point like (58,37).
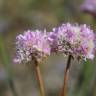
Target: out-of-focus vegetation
(19,80)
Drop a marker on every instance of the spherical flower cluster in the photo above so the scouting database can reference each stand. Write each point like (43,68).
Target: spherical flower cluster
(69,39)
(73,39)
(31,44)
(89,6)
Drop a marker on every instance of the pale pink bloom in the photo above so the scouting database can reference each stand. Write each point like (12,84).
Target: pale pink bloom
(89,6)
(31,44)
(74,39)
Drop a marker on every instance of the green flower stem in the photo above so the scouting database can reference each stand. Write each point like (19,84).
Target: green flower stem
(11,84)
(5,59)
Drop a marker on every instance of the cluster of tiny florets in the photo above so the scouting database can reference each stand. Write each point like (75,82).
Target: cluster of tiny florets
(69,39)
(73,39)
(30,45)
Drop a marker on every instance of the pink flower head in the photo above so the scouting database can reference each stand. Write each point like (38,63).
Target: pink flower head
(89,6)
(74,39)
(53,40)
(31,44)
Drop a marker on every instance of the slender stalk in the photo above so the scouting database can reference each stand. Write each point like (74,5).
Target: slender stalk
(5,58)
(39,78)
(66,75)
(11,84)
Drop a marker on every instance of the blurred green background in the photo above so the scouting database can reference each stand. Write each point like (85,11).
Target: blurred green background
(19,79)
